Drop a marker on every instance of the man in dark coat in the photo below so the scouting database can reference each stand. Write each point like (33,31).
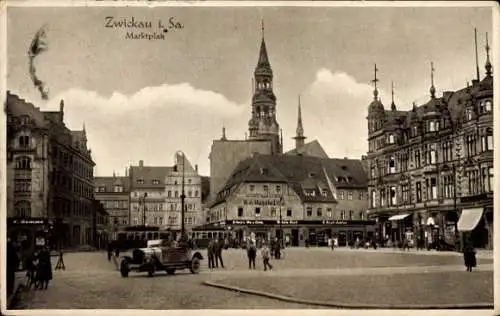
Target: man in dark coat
(12,266)
(251,253)
(219,244)
(469,256)
(44,268)
(110,249)
(211,254)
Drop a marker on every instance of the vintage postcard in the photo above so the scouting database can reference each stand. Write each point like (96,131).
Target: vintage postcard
(226,156)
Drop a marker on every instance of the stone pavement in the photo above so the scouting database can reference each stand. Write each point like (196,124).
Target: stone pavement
(90,281)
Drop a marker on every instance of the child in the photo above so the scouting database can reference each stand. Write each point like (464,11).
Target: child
(265,257)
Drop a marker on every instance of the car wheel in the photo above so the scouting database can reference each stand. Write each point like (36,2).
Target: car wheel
(195,265)
(124,269)
(170,271)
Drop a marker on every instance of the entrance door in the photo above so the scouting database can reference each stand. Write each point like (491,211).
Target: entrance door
(295,237)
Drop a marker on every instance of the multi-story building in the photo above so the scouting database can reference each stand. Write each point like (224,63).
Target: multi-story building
(431,168)
(147,194)
(49,176)
(101,225)
(155,195)
(183,174)
(114,194)
(310,198)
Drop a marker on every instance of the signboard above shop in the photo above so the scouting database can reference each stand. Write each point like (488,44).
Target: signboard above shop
(27,221)
(251,222)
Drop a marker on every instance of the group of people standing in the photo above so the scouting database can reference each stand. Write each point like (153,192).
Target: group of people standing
(214,253)
(266,252)
(37,264)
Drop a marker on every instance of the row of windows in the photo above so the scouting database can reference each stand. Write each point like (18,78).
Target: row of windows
(171,221)
(72,162)
(430,155)
(156,181)
(22,186)
(116,188)
(177,194)
(117,204)
(479,181)
(22,209)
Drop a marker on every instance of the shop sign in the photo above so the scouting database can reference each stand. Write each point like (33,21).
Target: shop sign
(28,221)
(264,202)
(288,222)
(337,222)
(247,222)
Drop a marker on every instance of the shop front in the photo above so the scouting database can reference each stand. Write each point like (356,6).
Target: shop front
(401,228)
(299,232)
(27,234)
(473,228)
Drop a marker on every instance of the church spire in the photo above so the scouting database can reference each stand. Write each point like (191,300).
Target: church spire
(488,63)
(375,80)
(433,89)
(393,105)
(299,137)
(263,62)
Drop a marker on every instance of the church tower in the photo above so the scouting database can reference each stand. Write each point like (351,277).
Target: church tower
(299,137)
(263,124)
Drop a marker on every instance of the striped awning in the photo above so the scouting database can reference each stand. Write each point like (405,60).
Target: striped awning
(398,217)
(469,219)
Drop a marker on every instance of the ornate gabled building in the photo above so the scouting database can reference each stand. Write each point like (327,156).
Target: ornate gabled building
(310,198)
(49,177)
(431,168)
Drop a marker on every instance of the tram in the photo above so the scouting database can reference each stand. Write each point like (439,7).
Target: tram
(138,236)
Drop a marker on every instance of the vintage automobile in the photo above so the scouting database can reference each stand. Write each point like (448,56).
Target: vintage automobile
(161,255)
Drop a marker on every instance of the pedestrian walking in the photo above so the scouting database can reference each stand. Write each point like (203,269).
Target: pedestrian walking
(252,254)
(219,245)
(117,249)
(44,268)
(469,257)
(277,249)
(265,257)
(110,249)
(211,254)
(330,243)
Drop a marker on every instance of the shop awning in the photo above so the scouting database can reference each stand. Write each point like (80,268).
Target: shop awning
(398,217)
(469,219)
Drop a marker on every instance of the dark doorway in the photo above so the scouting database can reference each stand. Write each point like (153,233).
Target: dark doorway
(479,235)
(295,237)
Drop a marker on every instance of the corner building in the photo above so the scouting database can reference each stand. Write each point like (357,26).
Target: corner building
(310,198)
(431,168)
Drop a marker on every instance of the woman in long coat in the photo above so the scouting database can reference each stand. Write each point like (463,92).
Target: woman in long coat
(469,257)
(44,268)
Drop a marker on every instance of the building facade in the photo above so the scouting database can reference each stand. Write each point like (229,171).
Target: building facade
(308,198)
(431,167)
(114,194)
(49,176)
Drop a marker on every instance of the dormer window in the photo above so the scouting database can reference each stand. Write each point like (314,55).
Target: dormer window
(312,174)
(391,139)
(310,192)
(468,114)
(118,188)
(140,181)
(266,188)
(102,189)
(264,171)
(324,192)
(156,181)
(252,188)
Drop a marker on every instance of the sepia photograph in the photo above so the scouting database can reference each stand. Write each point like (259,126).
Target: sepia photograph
(248,156)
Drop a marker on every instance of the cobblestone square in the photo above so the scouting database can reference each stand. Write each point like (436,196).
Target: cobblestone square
(90,281)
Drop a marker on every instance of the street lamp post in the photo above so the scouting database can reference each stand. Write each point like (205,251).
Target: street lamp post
(143,200)
(281,224)
(183,195)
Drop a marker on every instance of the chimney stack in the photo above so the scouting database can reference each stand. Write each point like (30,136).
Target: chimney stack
(141,163)
(196,168)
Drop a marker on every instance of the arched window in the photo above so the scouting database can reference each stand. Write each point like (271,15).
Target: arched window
(23,163)
(23,209)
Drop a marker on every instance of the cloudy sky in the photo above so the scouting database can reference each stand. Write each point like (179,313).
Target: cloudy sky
(143,99)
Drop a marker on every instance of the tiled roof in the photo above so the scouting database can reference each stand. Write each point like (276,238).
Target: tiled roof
(109,182)
(300,172)
(18,107)
(312,148)
(148,174)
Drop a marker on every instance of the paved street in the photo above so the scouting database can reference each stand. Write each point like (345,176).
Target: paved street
(90,281)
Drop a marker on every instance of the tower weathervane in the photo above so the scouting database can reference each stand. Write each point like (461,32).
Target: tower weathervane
(375,80)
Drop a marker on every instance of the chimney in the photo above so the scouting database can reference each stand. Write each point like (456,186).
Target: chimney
(196,168)
(141,163)
(474,82)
